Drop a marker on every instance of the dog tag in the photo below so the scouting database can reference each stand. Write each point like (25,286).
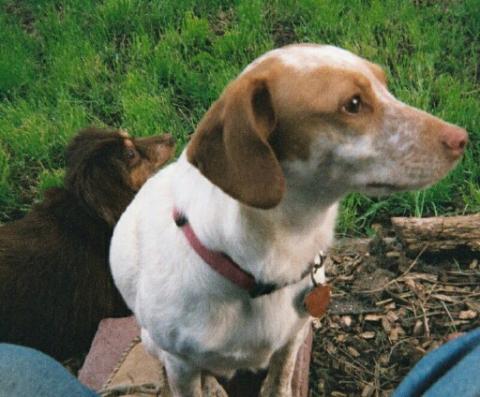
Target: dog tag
(316,300)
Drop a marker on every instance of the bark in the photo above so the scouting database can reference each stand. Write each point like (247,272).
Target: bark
(439,234)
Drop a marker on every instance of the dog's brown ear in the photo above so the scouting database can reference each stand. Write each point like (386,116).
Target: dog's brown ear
(96,173)
(230,146)
(102,188)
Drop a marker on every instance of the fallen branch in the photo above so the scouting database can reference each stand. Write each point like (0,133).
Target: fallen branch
(439,234)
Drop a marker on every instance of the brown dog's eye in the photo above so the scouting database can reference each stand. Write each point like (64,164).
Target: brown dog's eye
(353,105)
(130,154)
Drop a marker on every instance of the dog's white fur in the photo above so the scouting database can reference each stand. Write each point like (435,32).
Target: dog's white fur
(194,319)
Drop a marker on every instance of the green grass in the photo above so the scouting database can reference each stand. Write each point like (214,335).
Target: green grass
(153,66)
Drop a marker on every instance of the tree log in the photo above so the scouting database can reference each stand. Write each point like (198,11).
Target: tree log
(439,234)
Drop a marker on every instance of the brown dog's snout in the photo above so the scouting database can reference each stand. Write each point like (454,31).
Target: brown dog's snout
(454,139)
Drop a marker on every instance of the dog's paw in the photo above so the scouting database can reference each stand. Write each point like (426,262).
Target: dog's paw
(211,387)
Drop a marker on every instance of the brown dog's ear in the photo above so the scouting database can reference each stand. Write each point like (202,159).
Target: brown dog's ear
(230,146)
(96,173)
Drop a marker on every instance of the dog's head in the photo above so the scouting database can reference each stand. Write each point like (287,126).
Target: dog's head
(104,169)
(319,120)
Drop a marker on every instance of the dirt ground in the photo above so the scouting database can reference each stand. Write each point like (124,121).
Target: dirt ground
(387,311)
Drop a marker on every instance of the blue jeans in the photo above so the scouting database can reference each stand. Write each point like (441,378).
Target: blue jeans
(451,370)
(25,372)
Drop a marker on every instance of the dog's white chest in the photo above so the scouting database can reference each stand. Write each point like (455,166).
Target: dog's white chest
(225,336)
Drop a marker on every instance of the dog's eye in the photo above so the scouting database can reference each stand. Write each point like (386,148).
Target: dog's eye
(353,105)
(130,154)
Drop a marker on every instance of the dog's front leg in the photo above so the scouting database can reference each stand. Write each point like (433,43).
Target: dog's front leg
(184,379)
(278,382)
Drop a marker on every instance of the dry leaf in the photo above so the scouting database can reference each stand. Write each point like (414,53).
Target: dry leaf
(373,317)
(384,359)
(341,338)
(467,315)
(444,298)
(422,276)
(392,316)
(396,333)
(418,328)
(386,324)
(330,348)
(417,288)
(367,335)
(353,352)
(346,321)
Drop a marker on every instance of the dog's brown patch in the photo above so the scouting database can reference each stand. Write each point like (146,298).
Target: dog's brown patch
(378,72)
(311,103)
(230,146)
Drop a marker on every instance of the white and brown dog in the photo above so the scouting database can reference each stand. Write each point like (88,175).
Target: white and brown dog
(212,254)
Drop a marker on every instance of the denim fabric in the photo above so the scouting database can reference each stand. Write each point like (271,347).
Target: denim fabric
(451,370)
(25,372)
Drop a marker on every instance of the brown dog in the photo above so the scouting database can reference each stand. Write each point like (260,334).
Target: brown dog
(55,284)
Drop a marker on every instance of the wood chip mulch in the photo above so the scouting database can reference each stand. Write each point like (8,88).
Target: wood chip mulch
(387,311)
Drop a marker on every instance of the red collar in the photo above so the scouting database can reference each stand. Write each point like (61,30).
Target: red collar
(224,265)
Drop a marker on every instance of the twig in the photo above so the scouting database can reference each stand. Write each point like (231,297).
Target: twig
(473,294)
(377,379)
(398,297)
(464,274)
(450,316)
(428,314)
(425,320)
